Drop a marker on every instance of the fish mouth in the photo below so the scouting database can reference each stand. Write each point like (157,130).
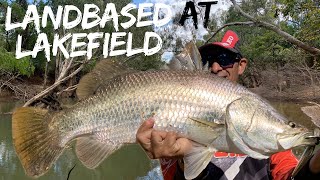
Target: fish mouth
(288,141)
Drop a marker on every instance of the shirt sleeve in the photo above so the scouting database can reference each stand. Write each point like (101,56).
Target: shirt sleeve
(282,164)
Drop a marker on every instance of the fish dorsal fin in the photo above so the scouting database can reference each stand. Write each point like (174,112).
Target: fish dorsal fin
(188,59)
(313,112)
(105,70)
(92,151)
(197,160)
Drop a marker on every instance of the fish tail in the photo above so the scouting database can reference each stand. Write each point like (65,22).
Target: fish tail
(36,145)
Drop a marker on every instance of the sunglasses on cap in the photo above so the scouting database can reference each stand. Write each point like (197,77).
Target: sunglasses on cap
(224,59)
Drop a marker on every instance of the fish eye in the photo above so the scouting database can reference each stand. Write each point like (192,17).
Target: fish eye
(292,124)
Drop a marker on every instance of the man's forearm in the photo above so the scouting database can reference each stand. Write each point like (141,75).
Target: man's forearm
(314,163)
(311,170)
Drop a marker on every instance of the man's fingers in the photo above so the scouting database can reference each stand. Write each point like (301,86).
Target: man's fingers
(143,135)
(161,144)
(168,145)
(177,147)
(157,137)
(171,139)
(147,124)
(144,132)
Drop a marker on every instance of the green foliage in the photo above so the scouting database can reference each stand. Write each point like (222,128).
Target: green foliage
(9,64)
(265,49)
(8,39)
(29,35)
(304,15)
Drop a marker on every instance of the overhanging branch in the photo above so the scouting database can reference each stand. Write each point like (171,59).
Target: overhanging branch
(248,23)
(277,30)
(56,84)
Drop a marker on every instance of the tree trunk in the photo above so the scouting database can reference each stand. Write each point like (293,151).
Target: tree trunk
(45,75)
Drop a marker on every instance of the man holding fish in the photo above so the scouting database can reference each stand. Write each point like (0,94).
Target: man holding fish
(225,60)
(213,113)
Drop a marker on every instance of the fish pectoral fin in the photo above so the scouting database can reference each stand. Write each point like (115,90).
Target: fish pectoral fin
(202,132)
(197,160)
(205,122)
(92,151)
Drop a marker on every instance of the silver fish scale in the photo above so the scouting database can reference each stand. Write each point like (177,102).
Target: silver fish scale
(172,97)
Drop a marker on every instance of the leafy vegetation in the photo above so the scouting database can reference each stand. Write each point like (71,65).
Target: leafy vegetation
(9,64)
(265,49)
(269,53)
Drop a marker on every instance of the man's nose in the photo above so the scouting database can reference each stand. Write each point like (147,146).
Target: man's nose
(215,68)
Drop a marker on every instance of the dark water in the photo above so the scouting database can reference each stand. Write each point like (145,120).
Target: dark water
(292,110)
(128,163)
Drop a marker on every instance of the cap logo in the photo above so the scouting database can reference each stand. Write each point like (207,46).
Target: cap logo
(225,44)
(230,39)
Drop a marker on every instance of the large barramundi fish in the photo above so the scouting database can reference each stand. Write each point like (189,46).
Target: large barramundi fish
(215,113)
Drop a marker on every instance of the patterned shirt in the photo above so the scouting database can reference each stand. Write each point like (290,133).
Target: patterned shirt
(227,166)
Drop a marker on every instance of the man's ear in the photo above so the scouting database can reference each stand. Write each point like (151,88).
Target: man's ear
(242,65)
